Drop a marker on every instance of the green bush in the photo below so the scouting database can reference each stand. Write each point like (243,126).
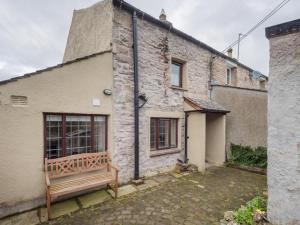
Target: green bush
(245,155)
(244,215)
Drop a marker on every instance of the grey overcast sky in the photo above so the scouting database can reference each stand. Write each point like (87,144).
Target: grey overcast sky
(33,33)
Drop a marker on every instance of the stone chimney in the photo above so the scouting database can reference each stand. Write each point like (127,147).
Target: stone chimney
(229,52)
(163,16)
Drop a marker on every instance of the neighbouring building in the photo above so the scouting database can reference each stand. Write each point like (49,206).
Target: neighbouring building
(284,124)
(91,101)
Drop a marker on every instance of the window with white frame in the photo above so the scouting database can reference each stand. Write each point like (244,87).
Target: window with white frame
(69,134)
(176,74)
(229,76)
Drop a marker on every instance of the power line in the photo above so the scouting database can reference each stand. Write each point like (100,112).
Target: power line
(283,3)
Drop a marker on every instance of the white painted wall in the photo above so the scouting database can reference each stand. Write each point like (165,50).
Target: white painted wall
(196,141)
(70,89)
(284,130)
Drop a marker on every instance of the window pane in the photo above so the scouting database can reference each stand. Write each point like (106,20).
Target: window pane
(100,127)
(175,75)
(228,76)
(173,133)
(163,139)
(78,134)
(54,136)
(153,133)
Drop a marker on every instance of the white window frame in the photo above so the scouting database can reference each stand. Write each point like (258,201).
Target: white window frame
(229,75)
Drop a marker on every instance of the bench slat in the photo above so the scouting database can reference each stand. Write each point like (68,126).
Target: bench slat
(82,179)
(79,184)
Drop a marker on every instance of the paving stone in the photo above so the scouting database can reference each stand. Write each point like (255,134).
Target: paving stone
(63,208)
(177,175)
(178,202)
(94,198)
(194,181)
(43,214)
(162,178)
(28,218)
(185,173)
(124,190)
(147,184)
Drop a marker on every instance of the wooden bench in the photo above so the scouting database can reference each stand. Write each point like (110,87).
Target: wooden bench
(78,172)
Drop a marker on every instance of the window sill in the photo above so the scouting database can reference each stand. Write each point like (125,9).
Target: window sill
(154,153)
(178,88)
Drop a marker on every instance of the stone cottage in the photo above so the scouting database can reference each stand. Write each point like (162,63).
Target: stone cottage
(132,85)
(284,123)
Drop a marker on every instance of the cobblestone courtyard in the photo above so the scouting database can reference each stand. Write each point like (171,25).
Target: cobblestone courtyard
(192,199)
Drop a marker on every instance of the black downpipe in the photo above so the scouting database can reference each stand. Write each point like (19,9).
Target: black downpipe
(136,97)
(186,115)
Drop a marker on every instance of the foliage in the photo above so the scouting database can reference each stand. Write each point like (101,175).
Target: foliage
(245,155)
(244,215)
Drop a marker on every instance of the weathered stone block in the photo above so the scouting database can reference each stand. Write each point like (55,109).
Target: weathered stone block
(64,208)
(28,218)
(124,190)
(94,198)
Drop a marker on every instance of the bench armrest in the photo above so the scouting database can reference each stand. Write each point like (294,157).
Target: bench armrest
(47,179)
(115,168)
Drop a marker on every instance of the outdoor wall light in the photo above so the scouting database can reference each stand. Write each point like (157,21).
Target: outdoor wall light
(107,92)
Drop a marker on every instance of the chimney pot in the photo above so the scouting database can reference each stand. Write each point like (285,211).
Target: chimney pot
(229,52)
(163,15)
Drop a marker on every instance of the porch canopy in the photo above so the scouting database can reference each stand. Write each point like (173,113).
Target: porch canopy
(205,106)
(204,132)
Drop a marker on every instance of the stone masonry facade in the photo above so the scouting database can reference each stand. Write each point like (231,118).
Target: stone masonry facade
(156,47)
(284,124)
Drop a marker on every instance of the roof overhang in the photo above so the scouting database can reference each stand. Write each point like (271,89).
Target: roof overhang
(204,106)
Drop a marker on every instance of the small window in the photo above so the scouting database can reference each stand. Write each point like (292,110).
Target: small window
(229,76)
(18,100)
(163,133)
(176,74)
(69,134)
(262,84)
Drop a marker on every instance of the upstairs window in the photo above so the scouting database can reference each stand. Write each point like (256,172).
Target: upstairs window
(262,84)
(163,133)
(69,134)
(176,74)
(229,76)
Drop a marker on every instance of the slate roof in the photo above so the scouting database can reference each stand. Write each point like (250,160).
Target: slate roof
(283,28)
(205,105)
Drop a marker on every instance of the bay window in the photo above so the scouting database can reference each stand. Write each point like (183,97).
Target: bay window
(163,133)
(69,134)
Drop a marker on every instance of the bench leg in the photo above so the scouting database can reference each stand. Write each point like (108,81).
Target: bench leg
(48,202)
(116,190)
